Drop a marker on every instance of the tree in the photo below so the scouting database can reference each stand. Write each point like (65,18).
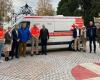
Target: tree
(85,8)
(67,7)
(44,8)
(5,7)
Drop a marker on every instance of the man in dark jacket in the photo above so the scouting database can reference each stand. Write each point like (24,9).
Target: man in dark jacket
(15,43)
(24,35)
(44,36)
(76,36)
(91,34)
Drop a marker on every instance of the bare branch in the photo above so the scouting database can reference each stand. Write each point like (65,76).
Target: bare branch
(44,8)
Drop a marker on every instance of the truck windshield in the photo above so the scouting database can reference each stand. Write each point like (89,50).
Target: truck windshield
(26,22)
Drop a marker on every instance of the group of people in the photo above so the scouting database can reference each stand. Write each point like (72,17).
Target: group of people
(91,33)
(15,41)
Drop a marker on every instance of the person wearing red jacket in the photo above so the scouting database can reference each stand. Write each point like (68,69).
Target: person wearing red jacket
(35,32)
(1,41)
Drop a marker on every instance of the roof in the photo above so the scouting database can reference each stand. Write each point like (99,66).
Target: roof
(58,17)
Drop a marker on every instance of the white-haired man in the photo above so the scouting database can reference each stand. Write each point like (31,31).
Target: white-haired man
(76,36)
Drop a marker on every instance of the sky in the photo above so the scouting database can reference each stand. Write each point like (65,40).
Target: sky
(33,3)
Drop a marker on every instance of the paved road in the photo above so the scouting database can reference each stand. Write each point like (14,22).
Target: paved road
(54,66)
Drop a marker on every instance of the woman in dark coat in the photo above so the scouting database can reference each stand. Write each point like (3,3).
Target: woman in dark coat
(8,42)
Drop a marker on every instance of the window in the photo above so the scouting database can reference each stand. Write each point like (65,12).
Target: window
(27,24)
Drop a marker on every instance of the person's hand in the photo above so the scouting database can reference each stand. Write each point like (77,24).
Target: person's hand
(36,37)
(18,40)
(47,38)
(87,38)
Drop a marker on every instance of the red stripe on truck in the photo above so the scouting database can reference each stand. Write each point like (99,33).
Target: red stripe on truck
(33,17)
(79,22)
(52,17)
(61,33)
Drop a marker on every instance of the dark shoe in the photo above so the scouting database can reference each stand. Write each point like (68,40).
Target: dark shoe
(84,50)
(37,53)
(41,54)
(16,56)
(45,53)
(12,58)
(32,54)
(94,51)
(23,55)
(75,50)
(78,50)
(6,59)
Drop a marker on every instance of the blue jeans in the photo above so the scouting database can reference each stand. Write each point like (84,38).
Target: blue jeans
(1,47)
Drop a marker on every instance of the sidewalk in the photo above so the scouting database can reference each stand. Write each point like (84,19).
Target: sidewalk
(54,66)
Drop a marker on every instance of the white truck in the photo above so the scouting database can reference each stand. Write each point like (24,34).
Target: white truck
(59,28)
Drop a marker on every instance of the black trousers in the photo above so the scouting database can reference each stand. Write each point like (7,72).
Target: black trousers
(44,46)
(92,40)
(14,51)
(44,49)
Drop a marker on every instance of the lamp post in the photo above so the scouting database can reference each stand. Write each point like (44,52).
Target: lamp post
(14,17)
